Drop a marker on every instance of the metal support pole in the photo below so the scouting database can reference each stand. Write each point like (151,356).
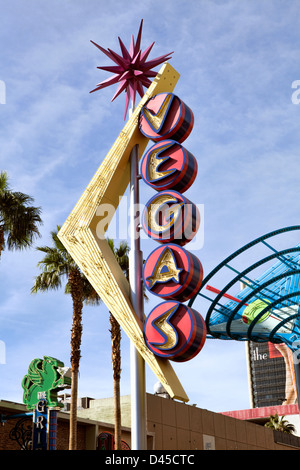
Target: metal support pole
(138,388)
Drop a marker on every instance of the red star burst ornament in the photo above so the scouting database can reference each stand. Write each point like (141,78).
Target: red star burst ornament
(132,71)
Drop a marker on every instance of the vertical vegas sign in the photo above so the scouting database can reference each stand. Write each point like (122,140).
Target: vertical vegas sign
(172,330)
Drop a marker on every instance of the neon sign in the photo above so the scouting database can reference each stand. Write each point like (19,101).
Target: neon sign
(172,330)
(40,426)
(45,378)
(170,217)
(169,165)
(165,116)
(171,272)
(85,239)
(175,331)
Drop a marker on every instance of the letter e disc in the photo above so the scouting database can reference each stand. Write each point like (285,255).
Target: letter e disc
(168,165)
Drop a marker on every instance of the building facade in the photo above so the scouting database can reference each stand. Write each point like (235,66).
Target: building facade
(271,375)
(171,425)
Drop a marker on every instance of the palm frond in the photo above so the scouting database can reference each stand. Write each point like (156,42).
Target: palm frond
(46,281)
(3,181)
(19,220)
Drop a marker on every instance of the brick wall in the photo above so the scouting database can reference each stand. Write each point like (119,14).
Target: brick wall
(6,443)
(63,436)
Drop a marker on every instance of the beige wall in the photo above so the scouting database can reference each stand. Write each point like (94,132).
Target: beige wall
(180,426)
(177,426)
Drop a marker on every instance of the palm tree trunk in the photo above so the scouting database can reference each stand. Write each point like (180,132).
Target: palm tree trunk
(116,364)
(117,404)
(76,290)
(73,411)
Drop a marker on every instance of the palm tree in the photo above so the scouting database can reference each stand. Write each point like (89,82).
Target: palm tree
(121,255)
(19,220)
(280,424)
(57,264)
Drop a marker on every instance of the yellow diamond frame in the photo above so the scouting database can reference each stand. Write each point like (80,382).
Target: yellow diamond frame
(91,251)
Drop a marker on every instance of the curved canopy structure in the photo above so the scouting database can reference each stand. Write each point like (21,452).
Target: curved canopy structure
(261,301)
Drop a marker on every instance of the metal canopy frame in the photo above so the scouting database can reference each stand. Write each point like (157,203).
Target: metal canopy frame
(269,289)
(240,251)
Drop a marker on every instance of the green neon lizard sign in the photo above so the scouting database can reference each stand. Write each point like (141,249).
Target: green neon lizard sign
(44,379)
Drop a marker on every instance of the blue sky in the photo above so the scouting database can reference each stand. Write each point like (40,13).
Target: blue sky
(237,60)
